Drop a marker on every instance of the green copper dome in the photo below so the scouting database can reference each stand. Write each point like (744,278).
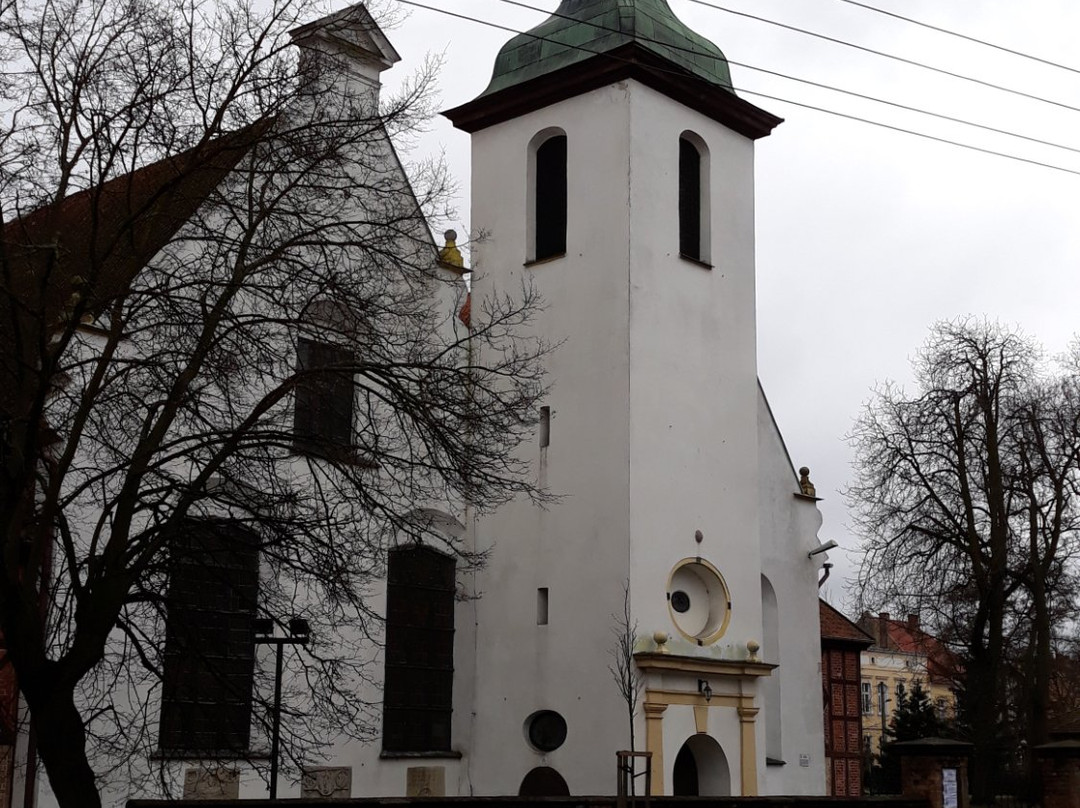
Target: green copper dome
(579,29)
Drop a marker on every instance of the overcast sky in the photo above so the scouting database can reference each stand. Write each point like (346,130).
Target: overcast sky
(865,236)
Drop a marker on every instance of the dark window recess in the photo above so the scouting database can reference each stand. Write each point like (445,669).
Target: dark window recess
(419,675)
(689,200)
(551,198)
(209,658)
(680,601)
(547,730)
(323,419)
(545,427)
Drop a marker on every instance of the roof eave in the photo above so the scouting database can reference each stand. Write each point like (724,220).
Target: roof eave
(630,61)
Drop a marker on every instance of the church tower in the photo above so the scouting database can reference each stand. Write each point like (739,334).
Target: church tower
(613,171)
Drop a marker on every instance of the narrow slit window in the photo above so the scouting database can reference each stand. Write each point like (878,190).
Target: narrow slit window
(550,201)
(689,200)
(545,427)
(542,606)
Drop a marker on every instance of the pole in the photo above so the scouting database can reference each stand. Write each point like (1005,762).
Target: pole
(277,723)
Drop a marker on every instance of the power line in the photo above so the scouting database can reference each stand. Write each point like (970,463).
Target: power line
(892,56)
(832,88)
(959,35)
(825,110)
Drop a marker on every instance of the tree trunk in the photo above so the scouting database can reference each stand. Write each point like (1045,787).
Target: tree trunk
(61,742)
(1040,691)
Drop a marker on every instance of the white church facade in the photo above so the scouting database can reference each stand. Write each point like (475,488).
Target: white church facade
(612,172)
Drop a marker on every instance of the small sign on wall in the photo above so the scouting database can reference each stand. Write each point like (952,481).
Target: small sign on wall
(804,761)
(949,798)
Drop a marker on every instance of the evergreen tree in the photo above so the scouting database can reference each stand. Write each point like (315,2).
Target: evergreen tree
(914,718)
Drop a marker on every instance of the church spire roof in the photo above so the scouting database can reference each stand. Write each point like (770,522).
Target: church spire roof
(580,29)
(588,44)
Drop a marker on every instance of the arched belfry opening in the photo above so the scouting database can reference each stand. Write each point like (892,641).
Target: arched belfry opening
(547,195)
(694,213)
(701,769)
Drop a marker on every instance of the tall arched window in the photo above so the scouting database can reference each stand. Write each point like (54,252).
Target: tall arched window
(770,687)
(419,674)
(548,219)
(693,198)
(208,663)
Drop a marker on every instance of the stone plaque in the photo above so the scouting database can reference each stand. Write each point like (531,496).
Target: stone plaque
(425,781)
(211,784)
(326,781)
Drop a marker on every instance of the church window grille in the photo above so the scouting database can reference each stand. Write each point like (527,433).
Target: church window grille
(209,657)
(419,667)
(550,205)
(323,417)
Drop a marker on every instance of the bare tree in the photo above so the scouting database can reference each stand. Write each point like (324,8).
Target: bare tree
(966,492)
(201,229)
(624,670)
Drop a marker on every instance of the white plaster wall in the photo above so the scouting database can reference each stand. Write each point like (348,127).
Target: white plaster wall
(654,429)
(789,528)
(693,371)
(577,548)
(693,392)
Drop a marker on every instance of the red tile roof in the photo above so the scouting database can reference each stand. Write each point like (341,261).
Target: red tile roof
(835,626)
(906,637)
(96,241)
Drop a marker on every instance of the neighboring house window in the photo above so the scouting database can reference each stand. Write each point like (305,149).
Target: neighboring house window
(867,705)
(209,657)
(550,198)
(419,673)
(941,708)
(689,199)
(323,418)
(899,691)
(883,699)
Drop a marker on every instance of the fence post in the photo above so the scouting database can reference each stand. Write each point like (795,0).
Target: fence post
(935,770)
(1059,769)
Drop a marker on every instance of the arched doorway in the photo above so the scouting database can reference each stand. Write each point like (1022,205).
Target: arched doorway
(543,781)
(701,769)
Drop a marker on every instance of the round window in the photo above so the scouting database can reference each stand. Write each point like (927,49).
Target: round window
(698,600)
(546,730)
(680,601)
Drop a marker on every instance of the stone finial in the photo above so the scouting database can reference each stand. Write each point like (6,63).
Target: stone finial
(806,487)
(660,638)
(752,647)
(450,255)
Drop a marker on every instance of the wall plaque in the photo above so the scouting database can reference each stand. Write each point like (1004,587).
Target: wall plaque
(211,784)
(425,781)
(326,782)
